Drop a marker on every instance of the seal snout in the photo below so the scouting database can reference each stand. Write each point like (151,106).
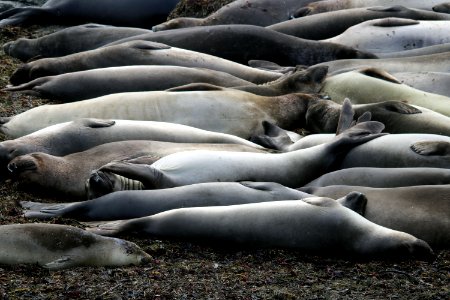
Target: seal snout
(18,166)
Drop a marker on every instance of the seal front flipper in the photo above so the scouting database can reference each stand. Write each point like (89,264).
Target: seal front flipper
(274,137)
(400,107)
(261,186)
(394,22)
(431,148)
(196,87)
(355,201)
(271,66)
(379,74)
(95,123)
(147,45)
(61,263)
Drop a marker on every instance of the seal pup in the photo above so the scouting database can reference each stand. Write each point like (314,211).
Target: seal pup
(132,13)
(383,177)
(135,204)
(318,225)
(252,12)
(89,36)
(98,82)
(291,169)
(136,53)
(333,5)
(60,246)
(67,175)
(330,24)
(394,34)
(227,111)
(418,210)
(376,86)
(241,43)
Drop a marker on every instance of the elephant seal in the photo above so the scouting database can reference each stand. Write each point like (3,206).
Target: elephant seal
(418,210)
(330,24)
(89,36)
(98,82)
(394,34)
(291,169)
(401,151)
(132,13)
(333,5)
(252,12)
(48,174)
(135,204)
(136,53)
(376,86)
(233,112)
(61,246)
(431,82)
(439,62)
(383,177)
(435,49)
(304,225)
(241,43)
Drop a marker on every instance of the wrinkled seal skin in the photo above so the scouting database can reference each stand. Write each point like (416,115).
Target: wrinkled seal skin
(252,12)
(418,210)
(67,175)
(98,82)
(330,24)
(241,43)
(135,204)
(209,110)
(133,13)
(61,246)
(136,53)
(383,177)
(305,225)
(89,36)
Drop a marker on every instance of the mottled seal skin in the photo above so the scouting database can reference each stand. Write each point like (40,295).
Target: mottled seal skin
(431,82)
(89,36)
(438,62)
(241,43)
(252,12)
(375,86)
(210,110)
(135,204)
(136,53)
(305,225)
(133,13)
(67,175)
(61,246)
(393,35)
(98,82)
(418,210)
(333,5)
(435,49)
(330,24)
(383,177)
(291,169)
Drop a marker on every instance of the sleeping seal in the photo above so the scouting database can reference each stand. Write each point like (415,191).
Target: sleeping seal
(318,225)
(61,246)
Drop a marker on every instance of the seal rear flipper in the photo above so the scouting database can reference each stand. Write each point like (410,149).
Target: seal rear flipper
(61,263)
(345,117)
(431,148)
(105,228)
(355,201)
(365,117)
(4,120)
(29,86)
(196,87)
(95,123)
(24,16)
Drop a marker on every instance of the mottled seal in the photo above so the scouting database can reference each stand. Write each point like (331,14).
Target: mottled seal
(136,53)
(133,13)
(62,246)
(304,225)
(394,34)
(330,24)
(376,86)
(233,112)
(89,36)
(291,169)
(418,210)
(383,177)
(333,5)
(67,175)
(435,49)
(135,204)
(253,12)
(98,82)
(241,43)
(431,82)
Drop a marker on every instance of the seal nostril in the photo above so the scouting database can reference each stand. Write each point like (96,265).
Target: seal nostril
(12,167)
